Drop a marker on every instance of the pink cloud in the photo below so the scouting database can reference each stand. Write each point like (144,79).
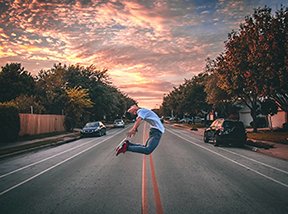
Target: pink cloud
(153,44)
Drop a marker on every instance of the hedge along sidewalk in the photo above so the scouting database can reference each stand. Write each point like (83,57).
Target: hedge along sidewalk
(7,149)
(9,122)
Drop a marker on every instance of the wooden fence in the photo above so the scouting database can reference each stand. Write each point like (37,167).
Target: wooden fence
(32,124)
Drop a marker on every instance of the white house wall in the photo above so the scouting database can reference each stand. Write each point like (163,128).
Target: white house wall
(245,117)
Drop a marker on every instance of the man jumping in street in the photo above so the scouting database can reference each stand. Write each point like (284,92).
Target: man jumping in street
(156,131)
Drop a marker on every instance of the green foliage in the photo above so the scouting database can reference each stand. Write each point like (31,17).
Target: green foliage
(50,88)
(107,102)
(79,97)
(15,81)
(78,101)
(269,106)
(215,95)
(24,104)
(69,123)
(254,64)
(189,99)
(83,93)
(9,123)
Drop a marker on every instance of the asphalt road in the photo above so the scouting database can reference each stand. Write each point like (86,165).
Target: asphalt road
(183,175)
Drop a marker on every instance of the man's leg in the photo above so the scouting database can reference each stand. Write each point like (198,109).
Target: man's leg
(151,143)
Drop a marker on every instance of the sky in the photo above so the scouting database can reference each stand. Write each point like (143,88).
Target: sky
(148,46)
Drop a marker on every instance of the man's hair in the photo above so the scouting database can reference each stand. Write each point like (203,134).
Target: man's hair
(133,106)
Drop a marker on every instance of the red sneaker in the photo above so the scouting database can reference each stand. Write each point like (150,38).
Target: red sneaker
(122,149)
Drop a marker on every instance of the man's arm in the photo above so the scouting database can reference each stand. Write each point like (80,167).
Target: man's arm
(133,130)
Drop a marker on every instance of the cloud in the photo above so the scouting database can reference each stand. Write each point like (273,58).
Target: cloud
(147,46)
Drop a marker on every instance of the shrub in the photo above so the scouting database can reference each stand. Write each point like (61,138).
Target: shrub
(69,123)
(285,126)
(261,122)
(9,123)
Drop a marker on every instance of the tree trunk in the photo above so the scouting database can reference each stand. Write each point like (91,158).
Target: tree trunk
(254,117)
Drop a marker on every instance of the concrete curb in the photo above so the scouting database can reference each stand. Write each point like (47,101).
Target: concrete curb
(34,146)
(39,144)
(252,148)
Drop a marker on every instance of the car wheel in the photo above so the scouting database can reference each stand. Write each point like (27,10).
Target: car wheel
(216,141)
(241,144)
(206,140)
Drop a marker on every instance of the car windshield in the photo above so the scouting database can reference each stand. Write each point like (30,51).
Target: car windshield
(95,124)
(228,124)
(232,124)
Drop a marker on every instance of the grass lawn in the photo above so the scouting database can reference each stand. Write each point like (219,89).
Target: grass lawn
(274,136)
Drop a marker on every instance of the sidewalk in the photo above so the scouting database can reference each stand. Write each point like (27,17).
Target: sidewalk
(278,150)
(7,149)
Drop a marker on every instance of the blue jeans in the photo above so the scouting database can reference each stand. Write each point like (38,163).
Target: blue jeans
(151,143)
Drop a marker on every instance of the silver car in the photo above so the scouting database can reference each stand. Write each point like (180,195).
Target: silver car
(119,123)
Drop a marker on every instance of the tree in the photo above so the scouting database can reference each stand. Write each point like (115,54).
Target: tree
(268,106)
(15,81)
(277,63)
(219,99)
(86,76)
(26,104)
(78,101)
(9,122)
(248,67)
(108,101)
(50,88)
(194,101)
(189,99)
(171,102)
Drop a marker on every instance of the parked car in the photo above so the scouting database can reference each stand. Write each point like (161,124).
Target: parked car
(119,123)
(197,119)
(172,119)
(223,131)
(186,120)
(93,129)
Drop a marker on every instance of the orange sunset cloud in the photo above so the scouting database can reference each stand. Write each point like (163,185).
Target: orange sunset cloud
(148,47)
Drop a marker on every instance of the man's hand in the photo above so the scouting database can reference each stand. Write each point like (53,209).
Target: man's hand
(134,129)
(132,132)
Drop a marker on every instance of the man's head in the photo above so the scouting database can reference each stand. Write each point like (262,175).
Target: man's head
(133,109)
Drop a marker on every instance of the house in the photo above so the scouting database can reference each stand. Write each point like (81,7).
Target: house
(277,120)
(273,122)
(245,116)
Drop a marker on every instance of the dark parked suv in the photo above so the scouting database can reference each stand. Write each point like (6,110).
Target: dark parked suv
(224,131)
